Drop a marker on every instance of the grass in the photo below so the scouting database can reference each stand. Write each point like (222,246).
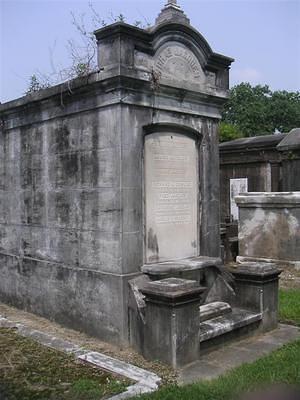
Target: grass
(289,309)
(30,371)
(280,367)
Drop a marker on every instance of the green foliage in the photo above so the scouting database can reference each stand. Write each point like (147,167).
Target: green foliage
(85,389)
(289,310)
(90,389)
(35,85)
(229,132)
(284,110)
(281,366)
(256,110)
(81,69)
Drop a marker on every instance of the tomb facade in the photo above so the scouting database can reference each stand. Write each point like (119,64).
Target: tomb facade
(109,197)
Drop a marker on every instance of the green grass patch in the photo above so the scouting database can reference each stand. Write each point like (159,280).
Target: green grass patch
(30,371)
(289,306)
(281,366)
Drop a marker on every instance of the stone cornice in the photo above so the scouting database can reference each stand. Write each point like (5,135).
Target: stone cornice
(58,101)
(146,40)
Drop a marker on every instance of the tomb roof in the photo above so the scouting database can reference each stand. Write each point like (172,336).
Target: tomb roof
(253,142)
(291,141)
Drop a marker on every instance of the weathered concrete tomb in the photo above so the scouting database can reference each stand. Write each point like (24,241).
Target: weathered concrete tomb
(110,199)
(269,227)
(268,163)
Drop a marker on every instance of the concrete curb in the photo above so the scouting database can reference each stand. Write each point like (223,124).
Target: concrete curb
(146,381)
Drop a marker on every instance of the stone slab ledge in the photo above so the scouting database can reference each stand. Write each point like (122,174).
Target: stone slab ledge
(268,199)
(279,263)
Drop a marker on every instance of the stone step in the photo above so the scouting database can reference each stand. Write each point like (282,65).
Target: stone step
(224,324)
(169,268)
(213,310)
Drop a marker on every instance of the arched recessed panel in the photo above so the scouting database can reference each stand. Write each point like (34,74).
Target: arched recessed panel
(171,197)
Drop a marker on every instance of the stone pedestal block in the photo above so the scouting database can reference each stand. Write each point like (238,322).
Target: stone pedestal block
(256,287)
(172,321)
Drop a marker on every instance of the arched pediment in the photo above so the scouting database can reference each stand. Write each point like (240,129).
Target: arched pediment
(186,35)
(177,53)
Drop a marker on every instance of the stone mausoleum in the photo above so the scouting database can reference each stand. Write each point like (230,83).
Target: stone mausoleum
(110,199)
(267,163)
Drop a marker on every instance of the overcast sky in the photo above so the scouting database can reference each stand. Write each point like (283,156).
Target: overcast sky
(263,36)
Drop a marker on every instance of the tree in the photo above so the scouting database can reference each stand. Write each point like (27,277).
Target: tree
(35,85)
(229,132)
(82,54)
(284,110)
(256,110)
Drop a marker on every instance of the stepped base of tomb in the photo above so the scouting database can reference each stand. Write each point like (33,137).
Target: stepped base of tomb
(214,310)
(221,329)
(187,308)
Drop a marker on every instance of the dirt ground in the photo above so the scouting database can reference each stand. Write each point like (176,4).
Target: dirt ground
(122,353)
(290,278)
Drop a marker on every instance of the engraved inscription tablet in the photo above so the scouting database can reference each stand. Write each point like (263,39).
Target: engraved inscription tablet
(171,197)
(178,61)
(172,61)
